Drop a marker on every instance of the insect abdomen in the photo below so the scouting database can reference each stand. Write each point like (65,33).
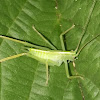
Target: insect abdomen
(45,56)
(52,57)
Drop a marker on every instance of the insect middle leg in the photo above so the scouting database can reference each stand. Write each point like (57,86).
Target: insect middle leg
(47,73)
(51,45)
(48,42)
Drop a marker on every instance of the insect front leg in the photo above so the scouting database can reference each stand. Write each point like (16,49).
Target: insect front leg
(63,48)
(73,64)
(62,34)
(67,72)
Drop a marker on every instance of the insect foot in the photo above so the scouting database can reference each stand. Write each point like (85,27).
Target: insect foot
(76,76)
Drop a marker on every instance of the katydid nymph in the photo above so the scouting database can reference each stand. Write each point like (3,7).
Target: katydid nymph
(52,57)
(49,57)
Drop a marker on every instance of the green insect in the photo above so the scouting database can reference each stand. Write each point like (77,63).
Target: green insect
(51,57)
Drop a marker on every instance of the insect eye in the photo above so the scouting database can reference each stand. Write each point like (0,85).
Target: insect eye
(76,58)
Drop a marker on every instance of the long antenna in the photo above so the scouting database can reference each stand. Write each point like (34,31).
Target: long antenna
(86,24)
(87,44)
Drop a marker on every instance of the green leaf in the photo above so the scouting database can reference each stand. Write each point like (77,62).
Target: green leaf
(24,78)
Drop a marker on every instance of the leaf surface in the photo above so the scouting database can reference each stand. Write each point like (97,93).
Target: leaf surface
(24,78)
